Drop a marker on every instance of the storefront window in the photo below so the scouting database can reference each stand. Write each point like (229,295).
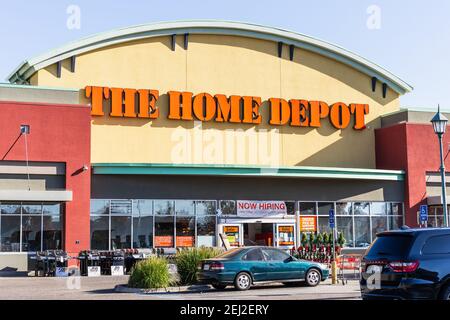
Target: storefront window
(52,235)
(344,224)
(120,232)
(142,208)
(344,209)
(395,222)
(52,227)
(361,208)
(378,208)
(206,231)
(28,208)
(31,232)
(164,231)
(185,232)
(362,232)
(206,208)
(99,207)
(307,208)
(323,208)
(379,224)
(99,232)
(121,224)
(228,207)
(143,232)
(290,207)
(10,208)
(164,207)
(396,209)
(10,233)
(51,209)
(323,225)
(185,208)
(121,207)
(30,227)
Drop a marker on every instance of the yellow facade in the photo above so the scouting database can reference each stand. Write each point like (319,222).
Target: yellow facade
(230,65)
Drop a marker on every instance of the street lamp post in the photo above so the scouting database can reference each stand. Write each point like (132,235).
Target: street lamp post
(439,122)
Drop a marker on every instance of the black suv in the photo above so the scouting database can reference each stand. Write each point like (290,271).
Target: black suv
(407,264)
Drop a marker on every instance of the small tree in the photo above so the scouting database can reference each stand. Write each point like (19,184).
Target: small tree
(312,239)
(304,240)
(326,238)
(319,239)
(341,239)
(330,237)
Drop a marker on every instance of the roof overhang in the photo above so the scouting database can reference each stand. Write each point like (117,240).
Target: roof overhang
(435,200)
(27,68)
(246,171)
(34,195)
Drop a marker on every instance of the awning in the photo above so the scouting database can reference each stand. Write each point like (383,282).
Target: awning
(33,195)
(246,170)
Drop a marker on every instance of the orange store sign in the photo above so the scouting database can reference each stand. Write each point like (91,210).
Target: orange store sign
(185,241)
(185,106)
(308,223)
(164,241)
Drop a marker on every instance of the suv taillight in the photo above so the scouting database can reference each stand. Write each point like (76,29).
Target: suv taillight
(403,266)
(216,266)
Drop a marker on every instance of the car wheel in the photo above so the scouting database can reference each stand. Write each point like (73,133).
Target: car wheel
(313,277)
(243,281)
(219,286)
(445,293)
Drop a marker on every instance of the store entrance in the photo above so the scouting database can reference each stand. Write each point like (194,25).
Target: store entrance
(258,234)
(242,233)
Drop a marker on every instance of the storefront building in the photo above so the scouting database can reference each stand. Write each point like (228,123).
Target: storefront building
(202,128)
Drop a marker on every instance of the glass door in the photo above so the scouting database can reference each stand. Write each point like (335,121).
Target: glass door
(233,233)
(285,235)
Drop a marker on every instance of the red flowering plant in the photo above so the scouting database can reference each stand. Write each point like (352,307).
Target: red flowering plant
(319,247)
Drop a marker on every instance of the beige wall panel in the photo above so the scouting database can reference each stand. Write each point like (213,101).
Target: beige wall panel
(227,65)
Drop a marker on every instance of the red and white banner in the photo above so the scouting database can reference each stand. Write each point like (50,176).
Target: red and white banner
(246,208)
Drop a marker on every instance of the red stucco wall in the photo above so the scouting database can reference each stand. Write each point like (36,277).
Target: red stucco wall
(415,149)
(58,133)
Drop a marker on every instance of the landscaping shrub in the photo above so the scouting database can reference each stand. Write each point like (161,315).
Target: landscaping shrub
(187,262)
(152,273)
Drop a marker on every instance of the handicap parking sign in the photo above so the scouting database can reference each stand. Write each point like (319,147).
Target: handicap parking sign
(423,213)
(331,218)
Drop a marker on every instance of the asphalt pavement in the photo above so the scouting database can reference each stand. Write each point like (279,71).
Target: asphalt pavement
(102,288)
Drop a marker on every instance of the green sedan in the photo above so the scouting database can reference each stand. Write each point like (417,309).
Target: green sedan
(243,267)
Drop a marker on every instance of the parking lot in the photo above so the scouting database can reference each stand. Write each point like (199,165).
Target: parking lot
(102,288)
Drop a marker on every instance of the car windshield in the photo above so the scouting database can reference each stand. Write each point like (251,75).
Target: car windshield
(230,253)
(390,246)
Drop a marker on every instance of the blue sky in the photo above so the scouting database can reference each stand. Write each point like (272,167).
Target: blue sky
(412,41)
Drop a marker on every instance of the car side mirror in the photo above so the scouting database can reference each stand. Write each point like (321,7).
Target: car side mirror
(290,259)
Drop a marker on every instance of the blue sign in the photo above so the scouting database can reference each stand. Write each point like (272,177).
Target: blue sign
(423,213)
(331,218)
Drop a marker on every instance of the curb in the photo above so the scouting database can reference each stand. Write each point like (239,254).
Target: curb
(121,288)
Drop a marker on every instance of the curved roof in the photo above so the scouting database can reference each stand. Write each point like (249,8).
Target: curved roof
(29,67)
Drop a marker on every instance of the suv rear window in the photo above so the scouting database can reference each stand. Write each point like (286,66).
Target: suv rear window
(390,246)
(437,245)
